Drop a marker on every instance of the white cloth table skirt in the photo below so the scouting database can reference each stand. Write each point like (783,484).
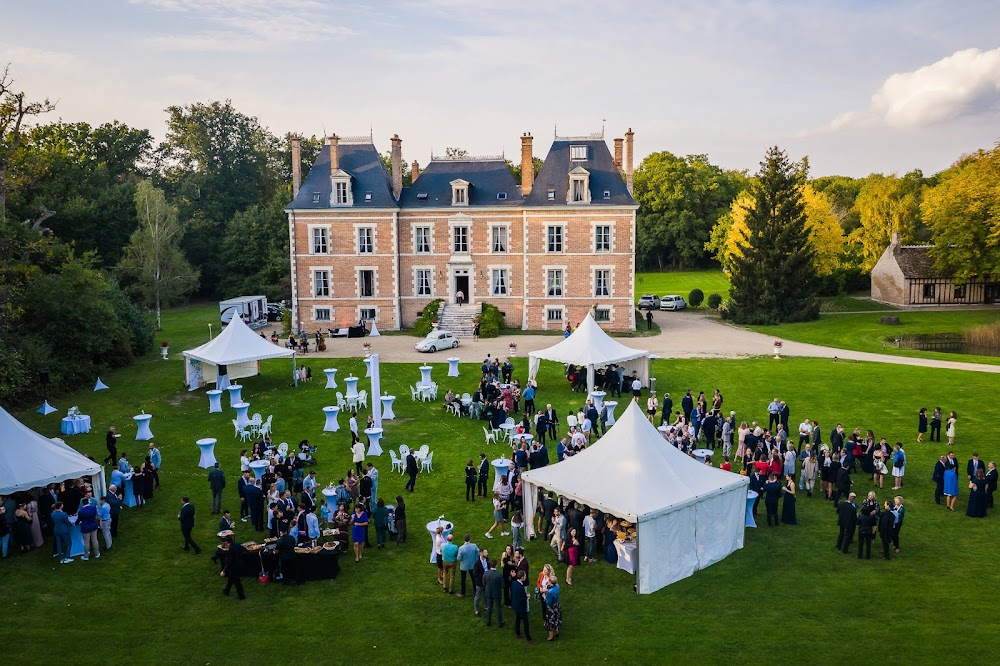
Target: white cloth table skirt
(368,366)
(501,466)
(129,499)
(701,454)
(453,366)
(235,394)
(331,419)
(387,413)
(214,401)
(143,432)
(626,555)
(432,528)
(598,398)
(331,378)
(374,435)
(331,500)
(258,467)
(516,438)
(75,426)
(352,387)
(425,374)
(611,405)
(242,420)
(751,496)
(75,541)
(207,447)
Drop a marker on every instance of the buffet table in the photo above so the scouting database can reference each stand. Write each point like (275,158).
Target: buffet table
(324,565)
(626,555)
(75,425)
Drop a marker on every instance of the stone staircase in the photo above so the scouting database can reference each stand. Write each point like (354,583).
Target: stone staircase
(458,319)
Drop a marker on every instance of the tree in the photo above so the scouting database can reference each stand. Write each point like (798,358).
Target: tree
(255,251)
(773,277)
(886,205)
(404,168)
(515,169)
(15,111)
(680,200)
(454,153)
(963,212)
(842,192)
(153,258)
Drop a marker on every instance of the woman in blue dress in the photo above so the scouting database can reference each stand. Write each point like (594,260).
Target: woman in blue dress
(950,487)
(359,527)
(610,534)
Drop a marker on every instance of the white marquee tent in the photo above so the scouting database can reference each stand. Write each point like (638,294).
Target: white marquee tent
(238,348)
(29,460)
(589,346)
(687,515)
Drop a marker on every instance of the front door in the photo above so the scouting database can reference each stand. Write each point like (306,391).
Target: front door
(462,285)
(991,293)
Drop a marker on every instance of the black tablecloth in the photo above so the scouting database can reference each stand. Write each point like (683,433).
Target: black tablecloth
(324,565)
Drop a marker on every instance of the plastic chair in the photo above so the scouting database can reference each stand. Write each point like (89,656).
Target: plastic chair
(363,398)
(490,435)
(426,463)
(413,394)
(396,462)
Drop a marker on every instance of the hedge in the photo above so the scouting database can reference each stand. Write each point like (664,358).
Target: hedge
(422,326)
(491,322)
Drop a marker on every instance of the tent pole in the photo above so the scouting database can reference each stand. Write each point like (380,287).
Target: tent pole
(295,371)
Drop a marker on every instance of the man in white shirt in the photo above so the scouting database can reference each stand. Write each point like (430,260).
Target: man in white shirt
(354,424)
(636,387)
(805,432)
(773,414)
(590,535)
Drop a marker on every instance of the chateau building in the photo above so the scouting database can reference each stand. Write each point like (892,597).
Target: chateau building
(544,251)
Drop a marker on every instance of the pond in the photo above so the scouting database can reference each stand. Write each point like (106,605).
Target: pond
(949,343)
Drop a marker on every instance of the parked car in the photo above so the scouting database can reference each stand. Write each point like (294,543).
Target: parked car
(673,303)
(649,302)
(436,340)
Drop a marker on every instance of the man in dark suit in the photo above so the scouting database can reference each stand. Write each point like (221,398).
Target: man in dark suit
(519,604)
(885,527)
(552,419)
(668,409)
(687,405)
(241,487)
(186,518)
(541,427)
(756,485)
(479,570)
(255,503)
(973,466)
(594,418)
(991,483)
(847,521)
(493,593)
(226,522)
(843,483)
(938,478)
(837,438)
(216,481)
(411,471)
(784,415)
(866,531)
(234,557)
(484,475)
(115,502)
(111,441)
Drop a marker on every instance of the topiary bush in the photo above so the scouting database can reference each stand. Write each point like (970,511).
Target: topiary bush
(491,322)
(696,297)
(714,301)
(422,326)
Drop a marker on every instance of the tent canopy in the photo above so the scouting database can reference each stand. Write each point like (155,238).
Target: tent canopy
(589,346)
(237,344)
(29,460)
(633,473)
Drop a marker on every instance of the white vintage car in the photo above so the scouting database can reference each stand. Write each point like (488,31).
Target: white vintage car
(437,340)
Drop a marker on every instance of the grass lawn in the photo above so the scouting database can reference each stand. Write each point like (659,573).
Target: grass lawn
(785,593)
(863,332)
(681,283)
(846,303)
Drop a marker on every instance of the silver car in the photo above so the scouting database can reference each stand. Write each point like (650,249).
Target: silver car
(672,303)
(649,302)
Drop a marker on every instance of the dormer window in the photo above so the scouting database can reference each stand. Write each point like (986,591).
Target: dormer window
(315,197)
(459,192)
(340,189)
(579,186)
(578,153)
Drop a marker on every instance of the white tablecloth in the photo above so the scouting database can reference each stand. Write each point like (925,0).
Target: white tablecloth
(501,466)
(626,555)
(75,426)
(432,528)
(387,413)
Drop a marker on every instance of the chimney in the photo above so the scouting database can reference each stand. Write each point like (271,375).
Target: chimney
(628,159)
(334,157)
(618,153)
(414,171)
(527,165)
(894,243)
(397,165)
(296,164)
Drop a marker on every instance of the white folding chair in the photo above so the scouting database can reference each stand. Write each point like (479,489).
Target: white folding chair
(455,409)
(255,423)
(490,436)
(396,462)
(363,398)
(434,392)
(237,428)
(413,394)
(466,398)
(265,427)
(340,400)
(425,394)
(424,450)
(404,451)
(425,464)
(283,449)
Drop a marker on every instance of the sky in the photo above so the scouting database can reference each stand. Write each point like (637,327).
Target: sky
(859,86)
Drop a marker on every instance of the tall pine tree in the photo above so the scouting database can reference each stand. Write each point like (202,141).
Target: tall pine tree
(774,278)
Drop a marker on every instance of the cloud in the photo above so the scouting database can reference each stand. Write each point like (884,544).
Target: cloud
(964,84)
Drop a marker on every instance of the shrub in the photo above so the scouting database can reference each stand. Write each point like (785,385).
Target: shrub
(286,322)
(696,297)
(422,326)
(714,301)
(491,322)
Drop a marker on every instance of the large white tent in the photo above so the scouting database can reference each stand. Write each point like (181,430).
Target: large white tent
(237,347)
(687,515)
(29,460)
(590,347)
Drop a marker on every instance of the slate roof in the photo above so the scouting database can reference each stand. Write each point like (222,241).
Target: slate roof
(487,178)
(604,175)
(914,262)
(363,162)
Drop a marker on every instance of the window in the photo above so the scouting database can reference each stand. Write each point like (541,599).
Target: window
(459,192)
(499,239)
(555,238)
(321,314)
(602,314)
(461,239)
(579,190)
(501,196)
(340,193)
(321,281)
(607,194)
(421,196)
(368,314)
(928,291)
(552,195)
(368,196)
(319,240)
(423,282)
(960,292)
(459,197)
(579,186)
(366,240)
(366,283)
(553,314)
(554,282)
(578,152)
(315,197)
(422,240)
(602,238)
(500,282)
(602,282)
